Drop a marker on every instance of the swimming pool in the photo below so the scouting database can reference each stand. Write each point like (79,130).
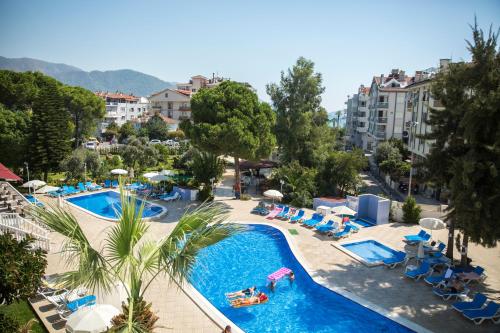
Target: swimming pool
(368,251)
(246,259)
(106,204)
(362,222)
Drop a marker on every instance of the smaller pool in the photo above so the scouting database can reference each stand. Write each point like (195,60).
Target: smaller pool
(107,204)
(369,251)
(362,222)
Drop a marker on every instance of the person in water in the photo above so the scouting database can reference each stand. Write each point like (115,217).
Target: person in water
(243,293)
(291,276)
(272,285)
(227,329)
(260,298)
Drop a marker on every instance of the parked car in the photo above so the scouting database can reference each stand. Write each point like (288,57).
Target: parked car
(168,142)
(91,145)
(154,142)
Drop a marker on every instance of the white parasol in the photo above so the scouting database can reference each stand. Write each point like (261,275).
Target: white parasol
(158,178)
(430,223)
(92,319)
(35,183)
(343,210)
(274,194)
(150,174)
(167,172)
(46,188)
(119,172)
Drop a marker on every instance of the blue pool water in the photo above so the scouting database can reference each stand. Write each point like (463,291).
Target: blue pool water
(370,250)
(107,203)
(246,259)
(363,223)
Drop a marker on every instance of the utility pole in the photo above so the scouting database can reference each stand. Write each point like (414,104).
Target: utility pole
(413,124)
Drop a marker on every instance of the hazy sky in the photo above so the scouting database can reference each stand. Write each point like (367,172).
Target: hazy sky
(248,41)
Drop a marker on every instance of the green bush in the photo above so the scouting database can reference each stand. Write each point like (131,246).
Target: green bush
(205,194)
(411,211)
(245,197)
(8,323)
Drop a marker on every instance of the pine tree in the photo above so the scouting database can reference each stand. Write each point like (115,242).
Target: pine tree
(51,129)
(466,154)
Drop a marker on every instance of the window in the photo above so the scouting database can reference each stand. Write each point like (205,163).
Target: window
(363,103)
(381,99)
(381,113)
(194,90)
(166,95)
(122,109)
(425,96)
(131,110)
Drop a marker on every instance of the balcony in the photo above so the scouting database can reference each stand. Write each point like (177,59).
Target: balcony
(381,120)
(380,134)
(184,108)
(382,105)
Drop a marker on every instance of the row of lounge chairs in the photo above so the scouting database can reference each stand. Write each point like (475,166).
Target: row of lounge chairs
(477,309)
(66,190)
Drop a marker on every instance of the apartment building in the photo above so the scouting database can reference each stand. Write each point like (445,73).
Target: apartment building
(357,118)
(176,103)
(387,108)
(121,108)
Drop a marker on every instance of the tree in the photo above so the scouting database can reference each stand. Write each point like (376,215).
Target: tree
(111,131)
(21,268)
(138,154)
(14,135)
(205,167)
(464,156)
(411,211)
(340,173)
(85,109)
(301,127)
(126,131)
(229,119)
(299,183)
(157,128)
(390,159)
(134,261)
(79,161)
(51,129)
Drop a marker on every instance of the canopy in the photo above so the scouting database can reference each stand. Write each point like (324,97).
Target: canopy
(432,223)
(92,319)
(343,210)
(158,178)
(119,172)
(167,172)
(273,194)
(6,174)
(150,174)
(35,183)
(46,189)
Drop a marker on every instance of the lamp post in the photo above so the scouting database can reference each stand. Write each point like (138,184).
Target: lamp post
(281,187)
(212,185)
(85,172)
(412,125)
(28,172)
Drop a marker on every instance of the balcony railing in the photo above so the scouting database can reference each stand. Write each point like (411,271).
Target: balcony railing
(184,108)
(381,120)
(380,134)
(382,105)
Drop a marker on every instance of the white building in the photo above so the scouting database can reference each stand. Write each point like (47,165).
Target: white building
(357,118)
(176,103)
(121,108)
(387,108)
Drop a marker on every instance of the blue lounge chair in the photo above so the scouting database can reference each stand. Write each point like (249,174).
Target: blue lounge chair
(435,252)
(81,302)
(399,258)
(327,227)
(448,294)
(353,227)
(421,236)
(92,187)
(315,219)
(479,271)
(417,273)
(343,233)
(107,183)
(81,187)
(283,213)
(114,184)
(73,190)
(436,261)
(34,200)
(56,193)
(434,280)
(488,312)
(297,217)
(475,304)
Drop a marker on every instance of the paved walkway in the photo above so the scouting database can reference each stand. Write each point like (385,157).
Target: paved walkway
(386,288)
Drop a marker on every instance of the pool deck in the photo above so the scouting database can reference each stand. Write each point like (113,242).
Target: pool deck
(386,288)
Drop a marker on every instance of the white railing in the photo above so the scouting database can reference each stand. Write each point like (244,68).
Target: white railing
(19,227)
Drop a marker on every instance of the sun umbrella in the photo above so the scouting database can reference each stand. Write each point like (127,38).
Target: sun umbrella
(119,172)
(150,174)
(158,178)
(274,194)
(92,319)
(35,183)
(46,188)
(343,210)
(430,223)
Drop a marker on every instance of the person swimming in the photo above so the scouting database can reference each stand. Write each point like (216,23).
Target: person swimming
(243,301)
(272,285)
(243,293)
(291,276)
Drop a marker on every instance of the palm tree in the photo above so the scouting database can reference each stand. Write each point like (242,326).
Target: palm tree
(129,259)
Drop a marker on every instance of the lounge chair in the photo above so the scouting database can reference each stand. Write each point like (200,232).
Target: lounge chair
(114,184)
(416,273)
(272,214)
(329,226)
(175,196)
(448,294)
(488,312)
(435,252)
(342,234)
(56,193)
(314,220)
(283,213)
(81,187)
(436,261)
(476,304)
(260,210)
(297,217)
(399,258)
(353,227)
(81,302)
(107,183)
(477,274)
(92,187)
(421,236)
(71,190)
(34,201)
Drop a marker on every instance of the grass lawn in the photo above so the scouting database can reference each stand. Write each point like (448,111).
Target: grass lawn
(23,312)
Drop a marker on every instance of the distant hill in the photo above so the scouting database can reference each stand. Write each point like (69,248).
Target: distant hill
(124,80)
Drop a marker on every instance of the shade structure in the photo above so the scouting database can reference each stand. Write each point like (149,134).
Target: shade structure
(343,210)
(46,189)
(35,183)
(432,223)
(92,319)
(274,194)
(6,174)
(119,172)
(158,178)
(150,174)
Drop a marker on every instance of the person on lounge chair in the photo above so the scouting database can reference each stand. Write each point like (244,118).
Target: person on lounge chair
(243,293)
(261,297)
(454,285)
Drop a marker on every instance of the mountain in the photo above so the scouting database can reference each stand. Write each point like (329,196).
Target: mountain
(124,80)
